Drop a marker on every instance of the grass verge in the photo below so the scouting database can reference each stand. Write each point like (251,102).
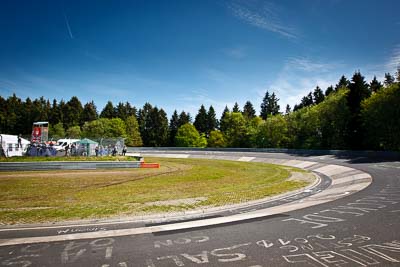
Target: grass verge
(179,184)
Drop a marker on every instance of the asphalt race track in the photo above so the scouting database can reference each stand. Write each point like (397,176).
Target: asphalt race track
(358,229)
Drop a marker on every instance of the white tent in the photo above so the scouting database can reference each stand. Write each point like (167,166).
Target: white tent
(9,145)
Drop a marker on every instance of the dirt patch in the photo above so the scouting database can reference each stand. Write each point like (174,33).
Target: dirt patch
(68,174)
(29,208)
(177,202)
(301,176)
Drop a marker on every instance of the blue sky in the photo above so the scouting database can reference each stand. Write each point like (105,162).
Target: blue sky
(181,54)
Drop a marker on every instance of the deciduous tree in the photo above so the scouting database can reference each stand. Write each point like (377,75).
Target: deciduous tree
(381,119)
(73,132)
(216,139)
(132,132)
(188,136)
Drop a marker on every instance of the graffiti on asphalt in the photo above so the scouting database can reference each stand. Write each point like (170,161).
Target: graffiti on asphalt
(360,207)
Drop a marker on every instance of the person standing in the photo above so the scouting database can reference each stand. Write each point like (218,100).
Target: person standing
(124,151)
(73,149)
(67,150)
(19,141)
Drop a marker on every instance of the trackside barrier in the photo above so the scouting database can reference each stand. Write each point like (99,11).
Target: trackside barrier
(387,155)
(67,165)
(149,165)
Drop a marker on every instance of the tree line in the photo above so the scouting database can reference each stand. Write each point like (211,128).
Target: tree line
(353,114)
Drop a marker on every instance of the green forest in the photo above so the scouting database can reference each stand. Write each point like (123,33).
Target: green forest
(354,114)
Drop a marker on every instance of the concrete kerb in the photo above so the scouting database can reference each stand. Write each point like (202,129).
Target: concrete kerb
(354,182)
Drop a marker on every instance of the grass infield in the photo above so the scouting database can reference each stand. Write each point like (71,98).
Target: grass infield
(179,184)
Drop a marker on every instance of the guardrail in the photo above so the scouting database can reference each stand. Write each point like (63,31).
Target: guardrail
(67,165)
(389,155)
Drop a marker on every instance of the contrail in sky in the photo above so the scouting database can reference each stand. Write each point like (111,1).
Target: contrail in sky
(69,28)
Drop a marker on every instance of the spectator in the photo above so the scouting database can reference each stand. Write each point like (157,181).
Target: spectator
(73,149)
(124,151)
(67,150)
(19,141)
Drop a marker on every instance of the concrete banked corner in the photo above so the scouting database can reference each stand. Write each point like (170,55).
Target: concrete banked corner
(345,181)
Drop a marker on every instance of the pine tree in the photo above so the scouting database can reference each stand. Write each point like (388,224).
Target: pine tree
(184,118)
(124,110)
(160,127)
(264,106)
(146,123)
(222,122)
(72,112)
(130,110)
(173,128)
(108,111)
(296,107)
(236,107)
(200,121)
(307,100)
(343,82)
(41,110)
(273,107)
(120,111)
(54,116)
(318,95)
(329,90)
(375,85)
(212,122)
(389,79)
(288,110)
(358,92)
(89,112)
(27,115)
(12,116)
(248,110)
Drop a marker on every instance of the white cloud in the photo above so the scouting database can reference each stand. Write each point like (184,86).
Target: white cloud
(216,75)
(236,52)
(394,61)
(390,64)
(68,27)
(307,65)
(264,17)
(192,102)
(299,76)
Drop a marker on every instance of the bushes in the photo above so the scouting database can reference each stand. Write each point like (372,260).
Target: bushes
(188,136)
(380,116)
